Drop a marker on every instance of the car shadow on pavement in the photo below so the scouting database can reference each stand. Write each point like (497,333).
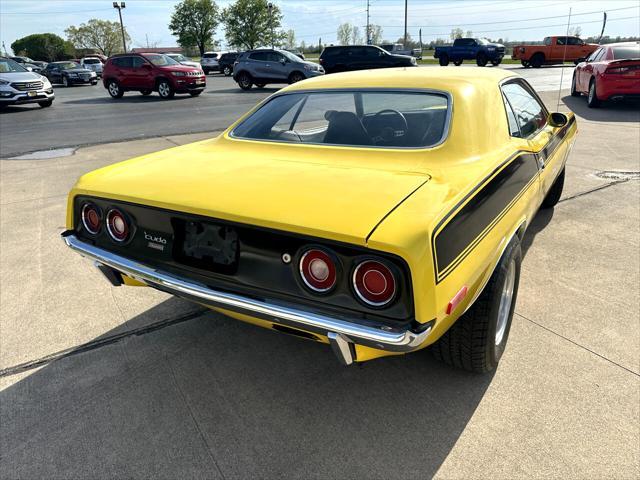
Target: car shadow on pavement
(127,99)
(217,398)
(539,223)
(608,112)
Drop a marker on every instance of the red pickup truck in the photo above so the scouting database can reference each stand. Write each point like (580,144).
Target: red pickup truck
(553,50)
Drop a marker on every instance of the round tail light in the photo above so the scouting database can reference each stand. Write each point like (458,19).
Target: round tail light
(374,283)
(91,218)
(117,225)
(318,270)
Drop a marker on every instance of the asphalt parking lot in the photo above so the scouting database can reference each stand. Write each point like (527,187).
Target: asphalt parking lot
(104,382)
(86,115)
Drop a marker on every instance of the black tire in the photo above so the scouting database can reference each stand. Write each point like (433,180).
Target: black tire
(165,90)
(537,60)
(457,63)
(592,96)
(146,91)
(195,94)
(114,89)
(295,77)
(65,81)
(574,91)
(481,60)
(245,81)
(470,343)
(555,192)
(443,60)
(227,71)
(46,103)
(525,64)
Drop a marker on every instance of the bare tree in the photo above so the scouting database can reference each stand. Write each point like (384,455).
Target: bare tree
(345,30)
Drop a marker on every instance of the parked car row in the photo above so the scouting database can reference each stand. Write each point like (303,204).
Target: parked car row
(19,85)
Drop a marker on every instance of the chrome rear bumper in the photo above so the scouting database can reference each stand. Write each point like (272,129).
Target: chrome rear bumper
(340,332)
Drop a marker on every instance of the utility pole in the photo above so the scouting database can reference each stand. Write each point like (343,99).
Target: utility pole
(270,8)
(120,7)
(368,35)
(319,46)
(405,23)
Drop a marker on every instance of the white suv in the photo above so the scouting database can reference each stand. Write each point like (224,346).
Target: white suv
(209,61)
(92,63)
(18,85)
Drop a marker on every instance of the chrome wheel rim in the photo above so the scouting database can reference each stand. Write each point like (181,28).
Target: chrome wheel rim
(506,299)
(163,89)
(113,89)
(592,92)
(244,81)
(65,82)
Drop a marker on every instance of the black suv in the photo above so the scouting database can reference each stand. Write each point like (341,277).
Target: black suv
(226,61)
(361,57)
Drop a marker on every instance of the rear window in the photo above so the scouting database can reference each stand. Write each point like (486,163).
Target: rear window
(622,53)
(392,119)
(210,55)
(332,52)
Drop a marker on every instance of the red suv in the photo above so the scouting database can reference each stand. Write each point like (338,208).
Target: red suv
(149,72)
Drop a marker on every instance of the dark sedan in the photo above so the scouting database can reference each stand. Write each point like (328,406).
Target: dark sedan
(69,73)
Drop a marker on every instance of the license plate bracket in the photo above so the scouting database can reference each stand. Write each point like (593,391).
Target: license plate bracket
(211,246)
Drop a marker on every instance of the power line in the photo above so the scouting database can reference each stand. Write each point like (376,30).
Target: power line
(510,21)
(55,13)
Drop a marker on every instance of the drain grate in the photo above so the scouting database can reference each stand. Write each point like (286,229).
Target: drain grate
(617,175)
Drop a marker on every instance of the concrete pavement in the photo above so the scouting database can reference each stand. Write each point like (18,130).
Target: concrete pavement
(210,397)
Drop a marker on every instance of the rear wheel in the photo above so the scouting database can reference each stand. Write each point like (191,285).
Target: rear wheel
(114,89)
(46,103)
(227,71)
(554,193)
(165,90)
(65,81)
(443,60)
(537,60)
(481,59)
(476,341)
(592,96)
(244,81)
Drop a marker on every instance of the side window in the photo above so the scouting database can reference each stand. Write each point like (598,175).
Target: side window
(260,56)
(274,57)
(593,56)
(124,62)
(547,41)
(600,55)
(137,62)
(514,128)
(530,114)
(372,52)
(561,41)
(574,41)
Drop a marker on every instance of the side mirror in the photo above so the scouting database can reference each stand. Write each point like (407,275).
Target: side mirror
(29,69)
(557,119)
(581,59)
(283,61)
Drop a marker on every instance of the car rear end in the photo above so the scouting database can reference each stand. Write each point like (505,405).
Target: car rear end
(518,53)
(209,62)
(620,81)
(93,64)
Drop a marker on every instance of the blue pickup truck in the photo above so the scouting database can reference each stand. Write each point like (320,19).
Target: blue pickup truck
(478,49)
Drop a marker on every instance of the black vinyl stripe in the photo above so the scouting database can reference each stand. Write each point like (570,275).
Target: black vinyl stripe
(489,203)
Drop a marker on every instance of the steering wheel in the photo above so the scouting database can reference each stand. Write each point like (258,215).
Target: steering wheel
(387,125)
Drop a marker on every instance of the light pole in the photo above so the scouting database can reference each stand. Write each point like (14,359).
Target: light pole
(270,8)
(120,7)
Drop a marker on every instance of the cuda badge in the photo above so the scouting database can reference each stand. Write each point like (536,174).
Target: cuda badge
(157,239)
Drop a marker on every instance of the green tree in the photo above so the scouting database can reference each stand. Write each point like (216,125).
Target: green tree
(101,35)
(251,23)
(194,22)
(345,30)
(290,40)
(43,46)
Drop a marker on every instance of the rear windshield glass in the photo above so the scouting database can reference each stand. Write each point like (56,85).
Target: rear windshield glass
(91,61)
(621,53)
(355,118)
(210,55)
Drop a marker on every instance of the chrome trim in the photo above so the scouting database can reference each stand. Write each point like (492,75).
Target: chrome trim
(340,346)
(391,339)
(107,223)
(304,279)
(84,221)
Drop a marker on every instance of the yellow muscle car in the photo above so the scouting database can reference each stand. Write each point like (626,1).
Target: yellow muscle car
(379,212)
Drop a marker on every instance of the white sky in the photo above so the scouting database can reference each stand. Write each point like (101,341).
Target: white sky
(312,19)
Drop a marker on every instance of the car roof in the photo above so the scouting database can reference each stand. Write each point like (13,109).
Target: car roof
(620,44)
(448,79)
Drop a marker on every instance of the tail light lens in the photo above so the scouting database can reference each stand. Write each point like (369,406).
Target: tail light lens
(91,218)
(117,225)
(318,270)
(374,283)
(619,70)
